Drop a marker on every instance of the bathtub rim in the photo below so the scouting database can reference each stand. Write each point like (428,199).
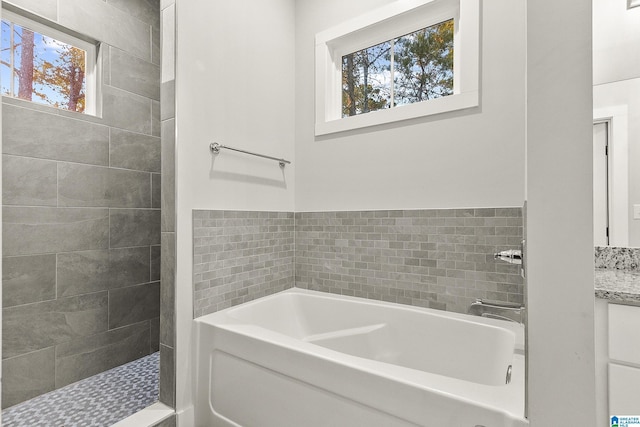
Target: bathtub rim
(507,399)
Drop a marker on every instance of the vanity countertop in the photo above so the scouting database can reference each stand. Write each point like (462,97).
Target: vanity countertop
(618,285)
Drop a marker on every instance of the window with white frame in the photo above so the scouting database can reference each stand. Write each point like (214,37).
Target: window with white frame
(47,66)
(406,60)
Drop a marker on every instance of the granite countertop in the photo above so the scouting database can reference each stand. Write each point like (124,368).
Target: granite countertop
(618,285)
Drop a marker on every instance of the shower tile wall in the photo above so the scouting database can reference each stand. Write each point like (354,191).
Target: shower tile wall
(431,258)
(81,212)
(167,197)
(240,256)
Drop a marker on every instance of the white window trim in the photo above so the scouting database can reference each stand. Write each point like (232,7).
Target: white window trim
(91,72)
(386,23)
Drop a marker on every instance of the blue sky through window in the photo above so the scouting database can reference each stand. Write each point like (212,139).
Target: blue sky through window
(48,53)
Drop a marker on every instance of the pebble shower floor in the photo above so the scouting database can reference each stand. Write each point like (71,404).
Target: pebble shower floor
(100,400)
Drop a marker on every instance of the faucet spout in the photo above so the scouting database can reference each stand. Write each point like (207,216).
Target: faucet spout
(498,310)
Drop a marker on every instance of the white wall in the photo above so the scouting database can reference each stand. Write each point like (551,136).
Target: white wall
(559,233)
(234,85)
(472,158)
(616,42)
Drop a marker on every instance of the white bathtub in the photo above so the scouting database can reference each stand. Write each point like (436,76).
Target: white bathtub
(303,359)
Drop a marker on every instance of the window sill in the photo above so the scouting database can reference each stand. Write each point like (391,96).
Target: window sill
(459,101)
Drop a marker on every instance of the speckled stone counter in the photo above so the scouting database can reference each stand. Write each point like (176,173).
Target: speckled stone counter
(618,285)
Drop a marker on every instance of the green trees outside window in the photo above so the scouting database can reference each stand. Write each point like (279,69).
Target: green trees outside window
(408,69)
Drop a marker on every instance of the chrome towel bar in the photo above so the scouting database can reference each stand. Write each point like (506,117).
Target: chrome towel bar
(215,147)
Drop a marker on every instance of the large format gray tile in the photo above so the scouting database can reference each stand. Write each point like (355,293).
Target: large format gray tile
(168,176)
(116,27)
(155,46)
(126,110)
(95,186)
(155,263)
(134,74)
(93,271)
(29,182)
(147,11)
(45,8)
(156,190)
(27,376)
(31,133)
(155,118)
(82,358)
(134,227)
(134,304)
(28,279)
(31,327)
(154,335)
(28,230)
(135,151)
(167,376)
(167,289)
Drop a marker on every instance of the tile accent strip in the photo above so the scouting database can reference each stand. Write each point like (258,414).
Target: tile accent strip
(240,256)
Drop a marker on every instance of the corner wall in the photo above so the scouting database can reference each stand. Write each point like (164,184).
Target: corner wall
(234,85)
(560,282)
(81,223)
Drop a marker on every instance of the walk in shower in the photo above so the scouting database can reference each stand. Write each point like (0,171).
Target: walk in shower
(81,194)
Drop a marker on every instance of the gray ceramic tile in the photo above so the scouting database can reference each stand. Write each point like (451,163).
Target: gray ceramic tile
(81,358)
(126,110)
(168,175)
(27,376)
(168,100)
(147,11)
(27,181)
(241,256)
(167,293)
(155,46)
(93,271)
(154,335)
(155,263)
(28,230)
(132,35)
(28,279)
(45,8)
(106,63)
(134,227)
(155,118)
(167,376)
(156,190)
(31,327)
(134,304)
(440,258)
(134,151)
(94,186)
(31,133)
(134,74)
